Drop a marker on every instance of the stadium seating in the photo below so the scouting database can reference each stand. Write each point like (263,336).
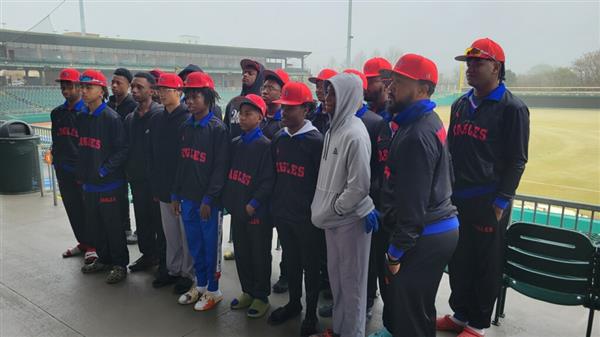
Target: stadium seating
(553,265)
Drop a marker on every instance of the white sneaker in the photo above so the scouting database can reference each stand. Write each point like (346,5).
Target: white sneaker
(191,296)
(208,300)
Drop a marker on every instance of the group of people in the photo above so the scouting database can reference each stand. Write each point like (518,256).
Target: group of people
(365,186)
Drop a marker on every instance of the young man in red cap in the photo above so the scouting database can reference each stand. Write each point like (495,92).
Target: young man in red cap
(319,117)
(297,154)
(65,139)
(156,72)
(270,92)
(100,168)
(151,240)
(342,206)
(253,77)
(488,138)
(165,135)
(246,196)
(376,94)
(123,103)
(416,208)
(199,181)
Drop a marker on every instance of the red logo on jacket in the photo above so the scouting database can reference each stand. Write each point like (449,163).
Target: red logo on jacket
(90,142)
(68,132)
(240,177)
(193,154)
(468,129)
(289,168)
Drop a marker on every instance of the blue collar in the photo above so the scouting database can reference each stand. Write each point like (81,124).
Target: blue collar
(385,115)
(77,107)
(319,108)
(414,111)
(495,95)
(277,115)
(202,123)
(361,111)
(249,137)
(96,112)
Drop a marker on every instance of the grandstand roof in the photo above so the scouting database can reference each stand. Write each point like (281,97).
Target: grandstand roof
(7,36)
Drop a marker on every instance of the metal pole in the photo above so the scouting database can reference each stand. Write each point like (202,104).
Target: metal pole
(349,43)
(82,18)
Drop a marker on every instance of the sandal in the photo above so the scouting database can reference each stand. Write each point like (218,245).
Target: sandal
(75,251)
(116,275)
(90,256)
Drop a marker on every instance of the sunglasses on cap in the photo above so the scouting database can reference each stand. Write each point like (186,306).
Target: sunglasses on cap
(476,52)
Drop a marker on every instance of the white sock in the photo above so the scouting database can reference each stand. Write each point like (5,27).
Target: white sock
(201,290)
(458,321)
(481,332)
(216,293)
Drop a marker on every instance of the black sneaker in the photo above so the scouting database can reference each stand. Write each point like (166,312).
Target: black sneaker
(309,327)
(182,285)
(116,275)
(282,314)
(143,263)
(163,280)
(281,286)
(326,310)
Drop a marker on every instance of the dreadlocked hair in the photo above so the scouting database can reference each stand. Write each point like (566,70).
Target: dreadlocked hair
(211,97)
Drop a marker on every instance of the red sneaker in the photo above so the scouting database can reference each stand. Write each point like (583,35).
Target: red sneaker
(468,332)
(447,324)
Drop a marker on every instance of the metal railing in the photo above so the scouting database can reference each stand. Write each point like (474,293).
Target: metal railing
(577,216)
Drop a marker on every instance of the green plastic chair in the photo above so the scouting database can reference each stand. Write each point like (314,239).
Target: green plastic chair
(553,265)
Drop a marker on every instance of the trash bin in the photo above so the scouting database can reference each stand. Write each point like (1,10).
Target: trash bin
(19,161)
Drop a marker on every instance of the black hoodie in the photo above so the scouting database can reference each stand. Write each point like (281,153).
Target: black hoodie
(232,110)
(251,175)
(65,137)
(203,160)
(166,131)
(138,132)
(102,149)
(125,108)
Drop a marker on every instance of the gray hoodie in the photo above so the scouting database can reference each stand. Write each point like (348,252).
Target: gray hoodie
(342,195)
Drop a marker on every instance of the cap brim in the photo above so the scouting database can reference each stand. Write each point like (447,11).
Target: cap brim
(286,102)
(273,75)
(314,79)
(63,80)
(463,58)
(247,101)
(249,63)
(372,75)
(388,73)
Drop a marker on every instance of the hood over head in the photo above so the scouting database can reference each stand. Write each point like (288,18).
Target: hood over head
(349,97)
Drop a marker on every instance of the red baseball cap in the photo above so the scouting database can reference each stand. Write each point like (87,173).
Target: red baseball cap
(362,76)
(245,63)
(324,74)
(256,101)
(295,93)
(415,67)
(279,75)
(483,49)
(199,80)
(68,75)
(374,65)
(169,80)
(94,77)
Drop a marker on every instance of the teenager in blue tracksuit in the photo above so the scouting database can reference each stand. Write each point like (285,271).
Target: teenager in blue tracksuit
(100,167)
(65,139)
(247,196)
(199,181)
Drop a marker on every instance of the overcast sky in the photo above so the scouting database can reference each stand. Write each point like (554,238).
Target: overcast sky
(531,32)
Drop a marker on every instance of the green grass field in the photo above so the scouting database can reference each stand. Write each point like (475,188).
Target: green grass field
(564,154)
